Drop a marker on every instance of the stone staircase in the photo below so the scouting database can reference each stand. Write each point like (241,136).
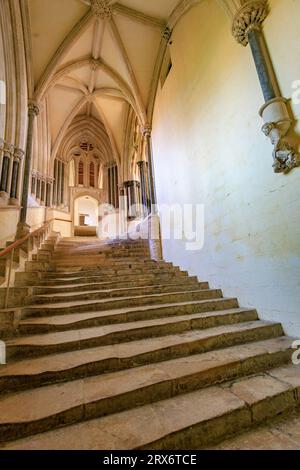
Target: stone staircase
(116,351)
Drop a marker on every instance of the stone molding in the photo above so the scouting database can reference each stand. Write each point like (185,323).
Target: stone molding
(248,18)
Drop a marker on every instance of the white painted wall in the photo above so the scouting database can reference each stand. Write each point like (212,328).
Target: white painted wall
(208,148)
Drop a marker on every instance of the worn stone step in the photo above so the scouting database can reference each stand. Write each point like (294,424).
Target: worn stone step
(62,259)
(79,363)
(31,279)
(107,274)
(124,315)
(118,303)
(111,293)
(106,271)
(66,288)
(34,411)
(195,340)
(50,270)
(105,263)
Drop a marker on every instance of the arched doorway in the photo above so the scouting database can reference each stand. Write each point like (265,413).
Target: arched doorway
(85,216)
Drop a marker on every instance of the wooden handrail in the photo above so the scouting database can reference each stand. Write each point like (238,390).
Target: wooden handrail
(20,242)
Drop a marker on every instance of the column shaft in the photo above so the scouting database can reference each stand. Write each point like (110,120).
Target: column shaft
(258,51)
(4,173)
(14,179)
(33,111)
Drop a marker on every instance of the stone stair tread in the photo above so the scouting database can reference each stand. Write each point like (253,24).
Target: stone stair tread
(44,401)
(109,291)
(151,425)
(106,283)
(70,318)
(189,341)
(96,332)
(103,269)
(71,360)
(116,351)
(79,303)
(113,286)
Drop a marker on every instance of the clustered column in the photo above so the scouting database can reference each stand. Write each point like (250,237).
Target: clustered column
(132,192)
(113,186)
(58,183)
(10,173)
(248,17)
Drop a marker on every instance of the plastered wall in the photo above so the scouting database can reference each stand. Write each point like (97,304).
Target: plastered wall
(208,149)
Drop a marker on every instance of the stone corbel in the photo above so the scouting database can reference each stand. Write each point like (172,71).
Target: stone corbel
(277,124)
(247,18)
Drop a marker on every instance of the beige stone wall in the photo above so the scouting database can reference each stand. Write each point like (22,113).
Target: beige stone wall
(208,148)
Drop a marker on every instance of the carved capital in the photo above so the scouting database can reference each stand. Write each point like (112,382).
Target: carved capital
(2,143)
(8,148)
(146,130)
(101,8)
(33,109)
(248,18)
(18,154)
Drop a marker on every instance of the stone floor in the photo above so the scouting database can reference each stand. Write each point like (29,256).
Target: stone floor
(117,351)
(281,434)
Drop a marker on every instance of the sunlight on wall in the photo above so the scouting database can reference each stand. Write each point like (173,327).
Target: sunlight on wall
(208,148)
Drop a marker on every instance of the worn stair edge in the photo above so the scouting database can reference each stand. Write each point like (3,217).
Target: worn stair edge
(71,365)
(121,302)
(274,397)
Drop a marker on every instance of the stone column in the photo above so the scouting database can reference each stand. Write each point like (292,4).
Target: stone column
(38,186)
(2,143)
(131,193)
(247,19)
(146,132)
(55,183)
(14,189)
(23,228)
(18,157)
(49,191)
(33,183)
(6,172)
(62,183)
(143,169)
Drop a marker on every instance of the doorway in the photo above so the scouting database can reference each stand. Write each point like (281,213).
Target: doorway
(85,216)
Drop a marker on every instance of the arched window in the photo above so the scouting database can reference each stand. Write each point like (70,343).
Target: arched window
(81,173)
(92,175)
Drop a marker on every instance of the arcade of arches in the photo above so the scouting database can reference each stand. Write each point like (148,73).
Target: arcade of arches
(131,106)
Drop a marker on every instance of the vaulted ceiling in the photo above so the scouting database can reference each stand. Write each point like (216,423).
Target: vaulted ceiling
(97,59)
